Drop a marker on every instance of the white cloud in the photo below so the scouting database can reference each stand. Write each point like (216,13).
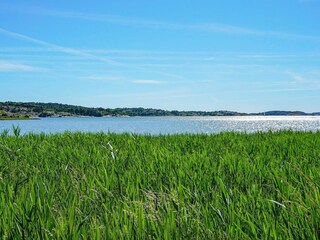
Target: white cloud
(16,67)
(303,79)
(102,78)
(287,90)
(308,1)
(154,95)
(206,27)
(147,81)
(58,48)
(121,79)
(80,53)
(296,77)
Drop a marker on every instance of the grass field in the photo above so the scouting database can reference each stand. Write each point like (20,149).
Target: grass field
(124,186)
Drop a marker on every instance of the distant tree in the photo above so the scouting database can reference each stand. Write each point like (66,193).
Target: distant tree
(37,109)
(45,114)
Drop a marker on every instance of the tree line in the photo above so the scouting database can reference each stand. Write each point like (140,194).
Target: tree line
(53,109)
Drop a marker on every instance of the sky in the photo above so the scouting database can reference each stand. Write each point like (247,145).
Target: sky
(246,56)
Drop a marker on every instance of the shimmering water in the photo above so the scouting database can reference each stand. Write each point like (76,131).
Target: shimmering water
(164,125)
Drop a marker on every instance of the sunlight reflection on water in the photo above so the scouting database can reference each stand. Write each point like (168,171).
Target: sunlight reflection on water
(164,125)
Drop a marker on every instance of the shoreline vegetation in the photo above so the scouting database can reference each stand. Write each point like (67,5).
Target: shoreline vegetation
(181,186)
(18,118)
(35,110)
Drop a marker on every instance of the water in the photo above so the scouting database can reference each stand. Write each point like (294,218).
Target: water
(164,125)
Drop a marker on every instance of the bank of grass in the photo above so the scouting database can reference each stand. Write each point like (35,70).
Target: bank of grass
(16,118)
(124,186)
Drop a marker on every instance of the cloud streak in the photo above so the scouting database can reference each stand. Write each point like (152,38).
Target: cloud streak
(154,95)
(308,1)
(202,27)
(133,55)
(80,53)
(58,48)
(102,78)
(147,82)
(16,67)
(287,90)
(117,79)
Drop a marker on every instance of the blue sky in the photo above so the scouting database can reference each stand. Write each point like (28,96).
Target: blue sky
(246,56)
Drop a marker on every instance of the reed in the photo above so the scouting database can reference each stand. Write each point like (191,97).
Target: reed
(187,186)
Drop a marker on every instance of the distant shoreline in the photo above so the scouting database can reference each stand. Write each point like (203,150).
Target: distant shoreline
(34,110)
(17,118)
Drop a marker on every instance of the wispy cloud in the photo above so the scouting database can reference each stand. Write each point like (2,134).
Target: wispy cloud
(147,81)
(58,47)
(23,49)
(295,82)
(308,1)
(203,27)
(102,78)
(287,90)
(17,67)
(123,80)
(81,53)
(149,55)
(296,77)
(118,79)
(154,95)
(311,78)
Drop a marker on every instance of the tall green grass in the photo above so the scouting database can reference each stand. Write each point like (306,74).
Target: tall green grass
(127,186)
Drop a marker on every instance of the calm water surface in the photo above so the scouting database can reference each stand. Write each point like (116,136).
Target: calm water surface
(164,125)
